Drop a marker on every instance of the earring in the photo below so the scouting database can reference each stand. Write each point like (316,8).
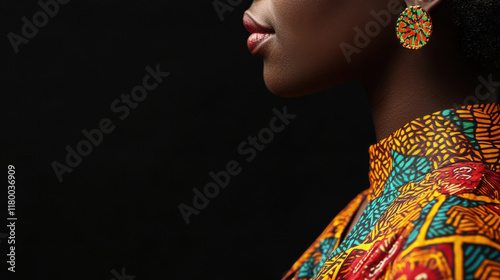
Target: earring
(414,27)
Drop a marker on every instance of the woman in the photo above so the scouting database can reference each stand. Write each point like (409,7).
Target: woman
(432,210)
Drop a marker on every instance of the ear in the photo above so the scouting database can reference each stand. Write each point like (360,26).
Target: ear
(427,5)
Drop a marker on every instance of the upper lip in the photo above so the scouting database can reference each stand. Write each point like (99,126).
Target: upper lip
(255,27)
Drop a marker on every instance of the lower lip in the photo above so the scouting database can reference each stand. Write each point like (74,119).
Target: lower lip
(256,40)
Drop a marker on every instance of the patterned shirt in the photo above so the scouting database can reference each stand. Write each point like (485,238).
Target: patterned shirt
(433,207)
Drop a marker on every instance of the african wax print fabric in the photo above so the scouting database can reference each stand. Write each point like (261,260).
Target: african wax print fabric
(433,207)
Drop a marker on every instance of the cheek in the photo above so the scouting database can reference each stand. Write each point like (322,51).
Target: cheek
(306,48)
(306,55)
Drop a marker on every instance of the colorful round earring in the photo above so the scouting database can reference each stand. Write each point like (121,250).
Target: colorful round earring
(414,27)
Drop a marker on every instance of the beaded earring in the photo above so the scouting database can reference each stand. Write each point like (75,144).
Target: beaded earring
(414,27)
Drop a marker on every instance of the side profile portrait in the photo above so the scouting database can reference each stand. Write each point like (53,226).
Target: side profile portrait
(431,72)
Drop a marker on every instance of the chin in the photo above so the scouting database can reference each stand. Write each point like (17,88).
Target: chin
(287,91)
(282,85)
(291,80)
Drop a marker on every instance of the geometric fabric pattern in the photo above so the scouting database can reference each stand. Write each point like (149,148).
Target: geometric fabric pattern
(433,207)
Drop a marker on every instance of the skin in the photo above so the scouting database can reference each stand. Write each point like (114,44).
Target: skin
(304,56)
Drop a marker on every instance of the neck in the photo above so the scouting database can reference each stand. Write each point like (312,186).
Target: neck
(415,83)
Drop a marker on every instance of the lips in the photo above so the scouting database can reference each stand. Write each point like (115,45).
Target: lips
(260,33)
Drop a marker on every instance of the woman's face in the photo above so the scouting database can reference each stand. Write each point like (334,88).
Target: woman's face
(321,43)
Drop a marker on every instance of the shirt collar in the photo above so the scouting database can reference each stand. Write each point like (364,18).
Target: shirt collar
(466,133)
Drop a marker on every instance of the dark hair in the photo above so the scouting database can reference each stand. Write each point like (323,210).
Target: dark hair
(478,28)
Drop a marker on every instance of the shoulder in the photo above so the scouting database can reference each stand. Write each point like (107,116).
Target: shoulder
(458,234)
(464,201)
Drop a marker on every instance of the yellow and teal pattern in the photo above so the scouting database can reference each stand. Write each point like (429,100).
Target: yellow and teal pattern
(433,206)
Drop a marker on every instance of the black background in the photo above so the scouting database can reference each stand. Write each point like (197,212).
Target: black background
(119,207)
